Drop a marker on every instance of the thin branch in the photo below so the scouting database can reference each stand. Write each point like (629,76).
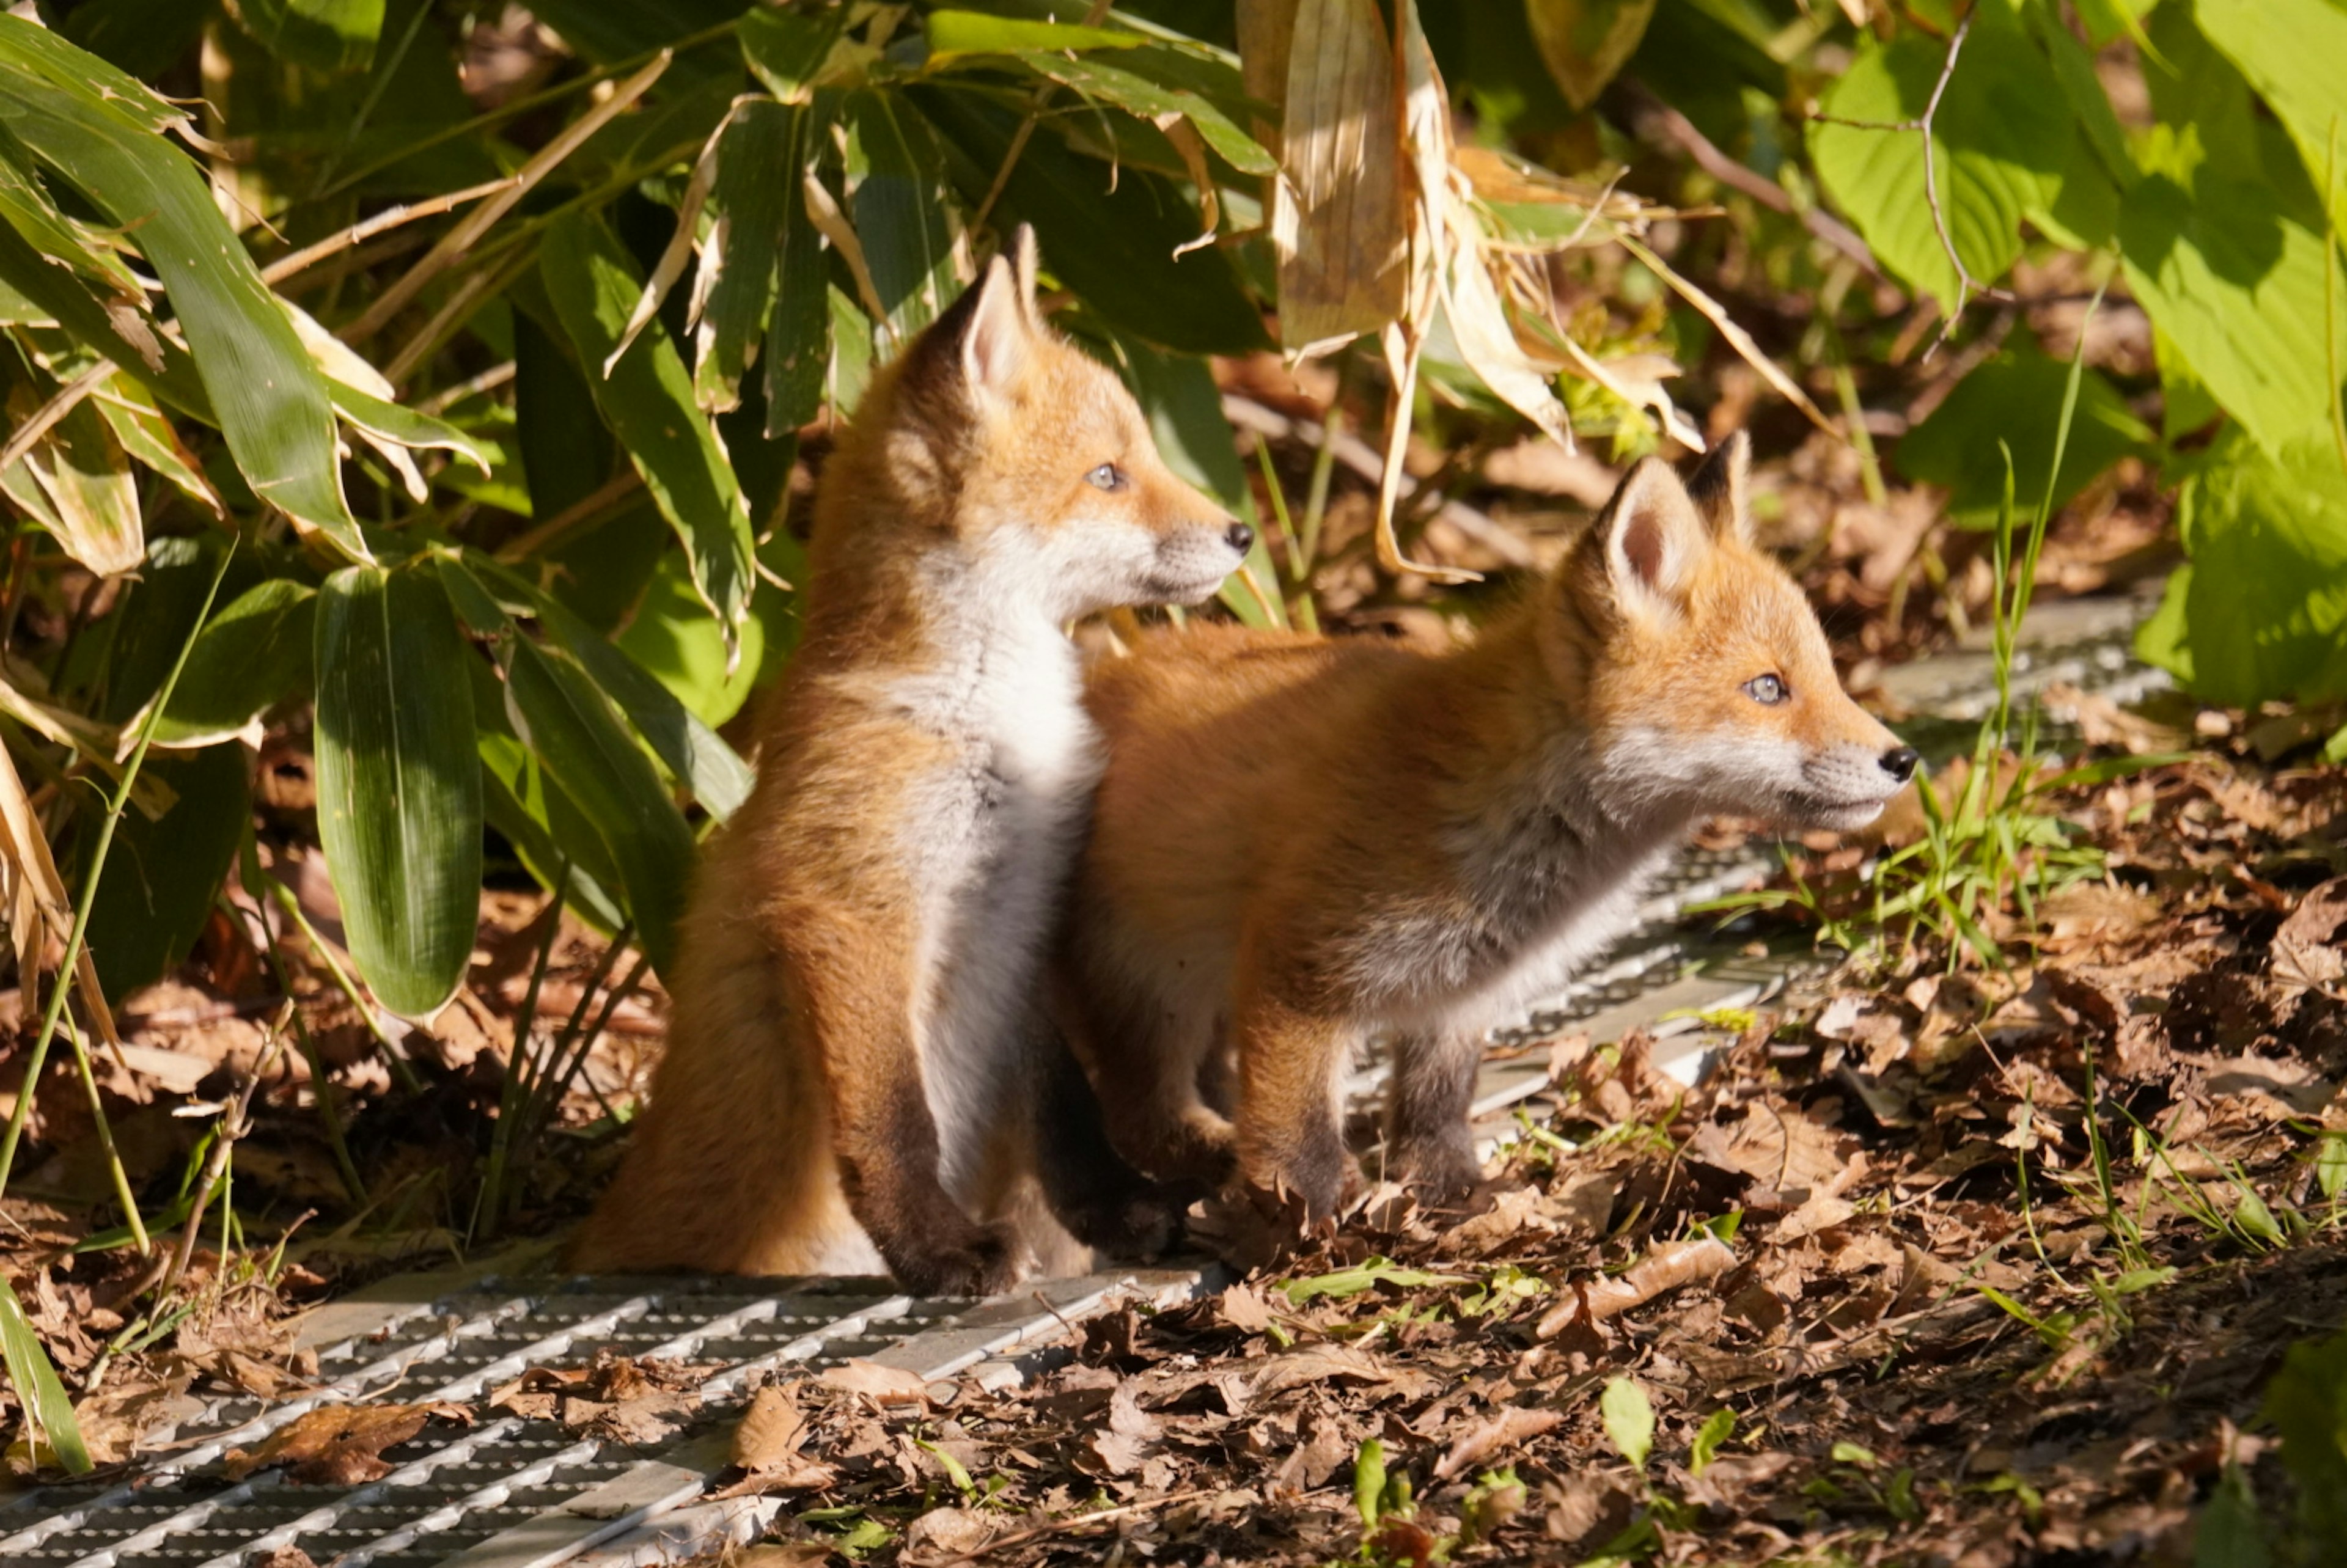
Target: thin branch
(308,256)
(1967,286)
(1673,126)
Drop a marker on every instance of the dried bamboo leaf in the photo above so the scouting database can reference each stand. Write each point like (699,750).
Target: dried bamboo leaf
(34,895)
(1737,338)
(1587,42)
(1340,210)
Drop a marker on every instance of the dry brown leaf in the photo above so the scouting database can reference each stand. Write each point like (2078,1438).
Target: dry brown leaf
(340,1445)
(955,1532)
(2303,952)
(1245,1309)
(1338,217)
(284,1557)
(1504,1427)
(881,1385)
(1664,1268)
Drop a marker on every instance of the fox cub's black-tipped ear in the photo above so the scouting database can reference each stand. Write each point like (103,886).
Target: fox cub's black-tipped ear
(1652,536)
(1718,489)
(999,333)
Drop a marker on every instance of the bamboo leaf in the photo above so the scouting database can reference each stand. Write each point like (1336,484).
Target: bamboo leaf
(105,132)
(94,500)
(648,401)
(1587,42)
(560,715)
(1340,218)
(399,781)
(35,1379)
(900,212)
(163,876)
(957,32)
(786,48)
(330,35)
(254,654)
(145,433)
(756,197)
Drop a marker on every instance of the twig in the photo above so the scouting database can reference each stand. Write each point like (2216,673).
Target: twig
(1675,128)
(529,543)
(234,1123)
(300,261)
(395,1059)
(1075,1522)
(1363,459)
(1966,284)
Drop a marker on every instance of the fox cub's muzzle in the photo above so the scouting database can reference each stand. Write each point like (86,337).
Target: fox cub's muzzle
(1193,559)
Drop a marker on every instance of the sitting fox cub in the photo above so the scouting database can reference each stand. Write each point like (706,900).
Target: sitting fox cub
(1299,842)
(858,1058)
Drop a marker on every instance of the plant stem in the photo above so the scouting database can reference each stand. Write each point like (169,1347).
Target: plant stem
(79,934)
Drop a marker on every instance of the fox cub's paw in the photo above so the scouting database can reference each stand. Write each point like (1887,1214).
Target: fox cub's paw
(1141,1225)
(983,1260)
(1438,1174)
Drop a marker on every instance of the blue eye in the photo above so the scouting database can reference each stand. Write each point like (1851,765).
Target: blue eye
(1107,477)
(1767,690)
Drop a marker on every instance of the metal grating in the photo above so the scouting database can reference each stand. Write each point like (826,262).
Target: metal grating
(511,1494)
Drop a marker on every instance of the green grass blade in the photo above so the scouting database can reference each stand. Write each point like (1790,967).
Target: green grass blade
(399,781)
(37,1389)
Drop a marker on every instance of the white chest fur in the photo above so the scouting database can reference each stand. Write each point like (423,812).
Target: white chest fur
(990,842)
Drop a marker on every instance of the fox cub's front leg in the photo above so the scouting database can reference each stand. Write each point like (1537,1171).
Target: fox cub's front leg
(885,1138)
(1429,1145)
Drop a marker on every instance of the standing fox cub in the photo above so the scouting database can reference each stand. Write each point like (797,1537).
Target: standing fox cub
(856,1059)
(1300,842)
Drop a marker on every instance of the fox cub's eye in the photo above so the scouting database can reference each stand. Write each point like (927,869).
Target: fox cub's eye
(1107,477)
(1767,690)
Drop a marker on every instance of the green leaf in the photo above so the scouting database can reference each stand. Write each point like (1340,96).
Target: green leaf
(1108,234)
(786,48)
(163,876)
(2230,1531)
(1586,41)
(681,737)
(148,436)
(1366,1275)
(330,35)
(1854,1454)
(1370,1482)
(2223,242)
(33,1378)
(2307,1403)
(563,718)
(252,654)
(799,328)
(1629,1419)
(956,33)
(1138,95)
(93,509)
(2259,611)
(105,132)
(1717,1427)
(757,200)
(2294,52)
(566,448)
(399,781)
(406,426)
(2001,144)
(901,210)
(648,401)
(671,635)
(2016,398)
(545,826)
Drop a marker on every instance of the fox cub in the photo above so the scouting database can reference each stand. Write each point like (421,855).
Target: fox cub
(858,1060)
(1300,842)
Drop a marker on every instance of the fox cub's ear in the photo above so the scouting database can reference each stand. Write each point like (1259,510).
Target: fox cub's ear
(1000,335)
(1717,490)
(1653,537)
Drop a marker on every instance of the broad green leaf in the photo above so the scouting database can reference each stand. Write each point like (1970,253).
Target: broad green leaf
(163,876)
(112,326)
(2001,144)
(399,781)
(93,495)
(330,35)
(798,331)
(62,240)
(105,132)
(1717,1427)
(648,401)
(2294,52)
(254,654)
(568,724)
(2259,611)
(757,202)
(1586,41)
(1369,1481)
(1629,1419)
(2017,398)
(33,1378)
(953,33)
(1108,234)
(786,48)
(902,215)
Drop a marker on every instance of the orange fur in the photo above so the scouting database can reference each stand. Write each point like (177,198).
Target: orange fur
(1300,842)
(853,1061)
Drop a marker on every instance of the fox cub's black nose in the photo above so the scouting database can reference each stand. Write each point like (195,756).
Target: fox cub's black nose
(1899,763)
(1242,538)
